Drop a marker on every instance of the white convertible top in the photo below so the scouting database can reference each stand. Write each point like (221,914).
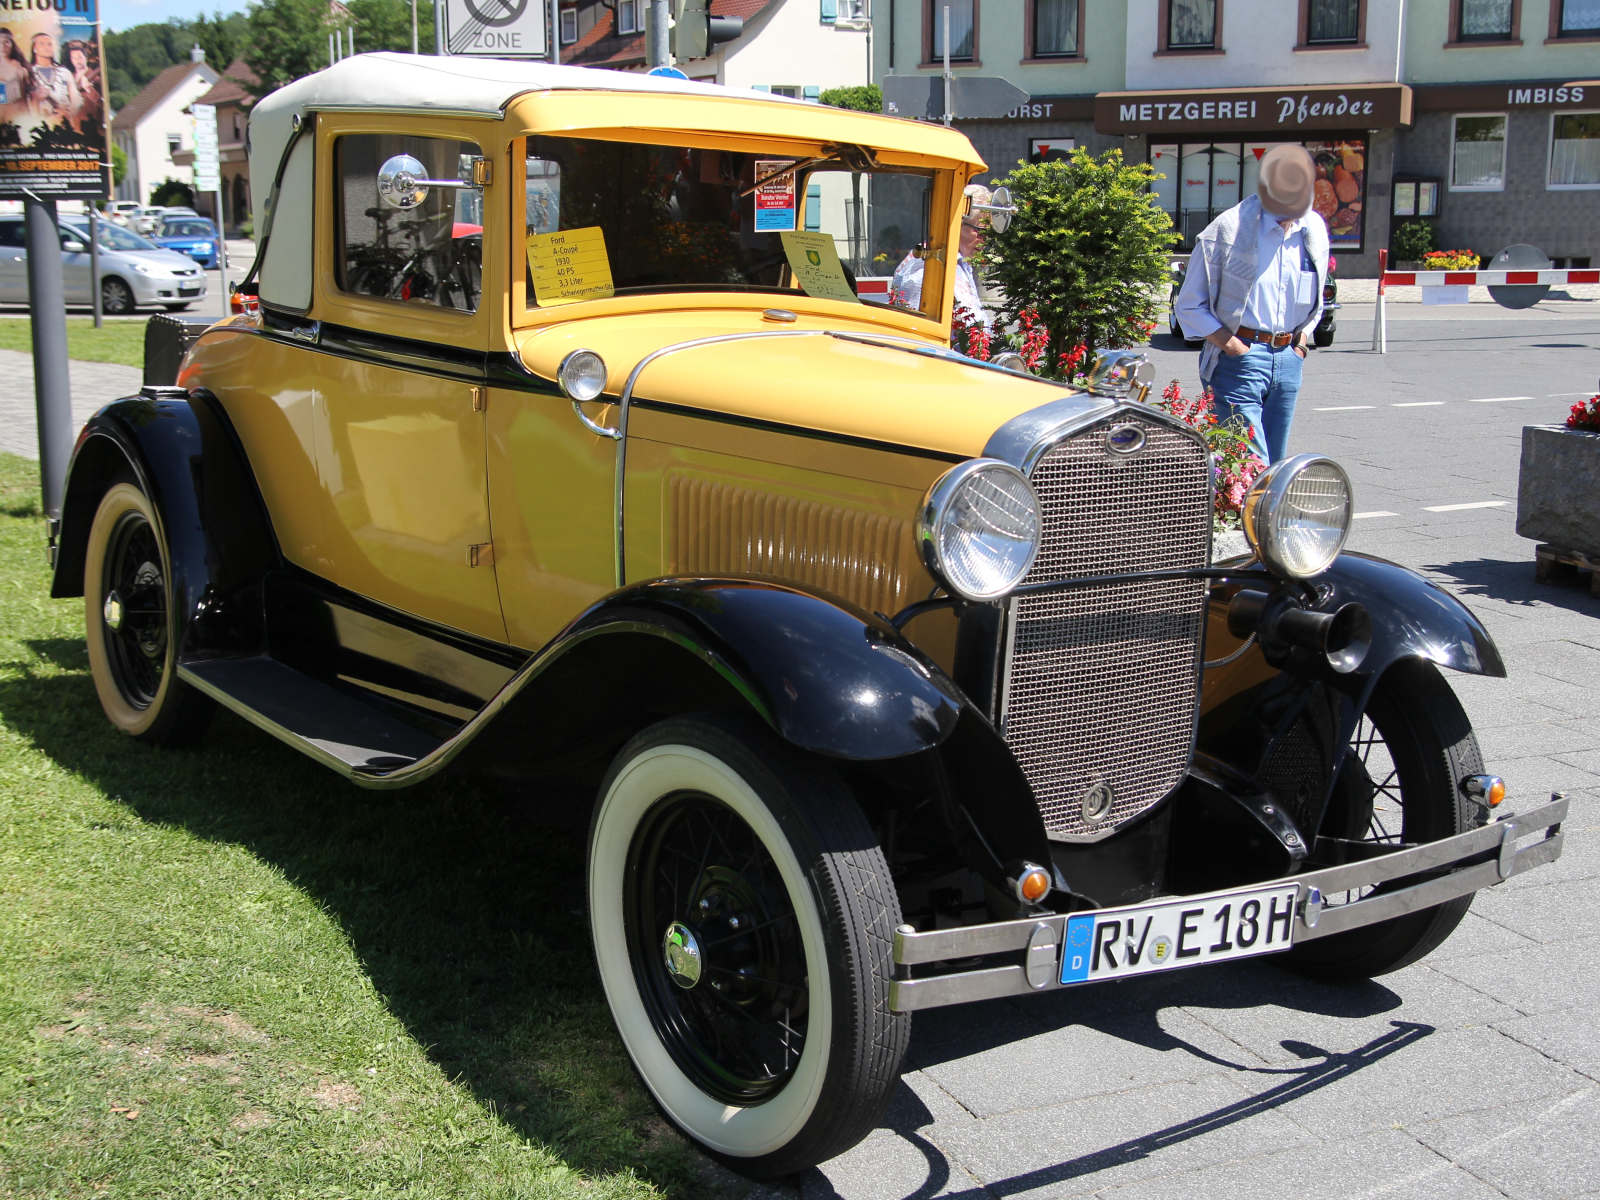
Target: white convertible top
(388,82)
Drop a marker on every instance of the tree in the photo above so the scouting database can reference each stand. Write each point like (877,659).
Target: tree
(289,38)
(172,193)
(868,98)
(119,164)
(1086,250)
(136,55)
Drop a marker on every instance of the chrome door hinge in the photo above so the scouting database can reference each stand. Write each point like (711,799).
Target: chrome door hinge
(480,554)
(480,399)
(481,172)
(926,251)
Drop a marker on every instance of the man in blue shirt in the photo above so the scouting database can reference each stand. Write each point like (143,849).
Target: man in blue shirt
(1252,290)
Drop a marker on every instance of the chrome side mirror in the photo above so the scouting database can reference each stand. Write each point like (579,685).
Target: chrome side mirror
(403,181)
(1117,373)
(1000,209)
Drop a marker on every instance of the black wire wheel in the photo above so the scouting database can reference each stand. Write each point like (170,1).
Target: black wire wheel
(1399,786)
(742,915)
(129,624)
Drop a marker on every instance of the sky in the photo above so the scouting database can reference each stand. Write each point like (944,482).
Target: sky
(124,14)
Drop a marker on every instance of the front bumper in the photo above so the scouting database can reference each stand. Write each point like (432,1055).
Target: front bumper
(1454,867)
(167,289)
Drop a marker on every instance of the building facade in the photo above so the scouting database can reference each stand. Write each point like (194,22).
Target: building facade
(155,125)
(1474,115)
(232,100)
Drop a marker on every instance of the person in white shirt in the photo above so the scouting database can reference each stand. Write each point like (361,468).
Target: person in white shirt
(906,286)
(1252,290)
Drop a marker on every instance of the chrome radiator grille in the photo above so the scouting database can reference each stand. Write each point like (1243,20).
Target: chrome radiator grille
(1103,682)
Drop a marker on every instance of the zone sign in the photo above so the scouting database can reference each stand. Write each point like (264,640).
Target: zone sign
(496,28)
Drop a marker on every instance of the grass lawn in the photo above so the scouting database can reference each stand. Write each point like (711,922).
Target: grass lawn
(114,342)
(228,972)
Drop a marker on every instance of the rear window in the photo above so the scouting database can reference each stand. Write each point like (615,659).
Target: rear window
(186,229)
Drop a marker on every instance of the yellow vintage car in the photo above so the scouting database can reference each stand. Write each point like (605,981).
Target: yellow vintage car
(554,443)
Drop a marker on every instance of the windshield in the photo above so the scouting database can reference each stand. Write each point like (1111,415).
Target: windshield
(607,218)
(115,237)
(186,229)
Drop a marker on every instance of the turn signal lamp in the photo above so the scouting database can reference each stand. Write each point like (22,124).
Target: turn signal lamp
(1032,883)
(1485,789)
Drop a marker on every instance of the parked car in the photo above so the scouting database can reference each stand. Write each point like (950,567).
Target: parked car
(194,236)
(897,679)
(148,219)
(134,271)
(1321,336)
(1328,324)
(121,211)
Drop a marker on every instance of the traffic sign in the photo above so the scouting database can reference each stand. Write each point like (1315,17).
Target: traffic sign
(207,165)
(495,28)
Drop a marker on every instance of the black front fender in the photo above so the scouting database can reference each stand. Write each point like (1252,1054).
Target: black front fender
(1290,730)
(826,676)
(1412,617)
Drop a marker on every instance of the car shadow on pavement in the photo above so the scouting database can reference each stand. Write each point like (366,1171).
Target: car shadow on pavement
(464,911)
(1297,1081)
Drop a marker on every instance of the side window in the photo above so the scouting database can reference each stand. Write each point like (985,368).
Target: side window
(429,253)
(13,233)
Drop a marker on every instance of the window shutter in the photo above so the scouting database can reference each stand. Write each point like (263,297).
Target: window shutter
(813,207)
(812,92)
(830,11)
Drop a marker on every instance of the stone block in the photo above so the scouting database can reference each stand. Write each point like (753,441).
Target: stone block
(1558,488)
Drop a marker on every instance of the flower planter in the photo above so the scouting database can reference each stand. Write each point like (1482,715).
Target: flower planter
(1558,488)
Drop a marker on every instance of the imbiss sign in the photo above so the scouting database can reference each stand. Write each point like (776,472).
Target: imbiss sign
(1254,110)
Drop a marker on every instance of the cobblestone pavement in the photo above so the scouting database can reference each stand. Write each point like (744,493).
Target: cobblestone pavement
(1473,1073)
(93,385)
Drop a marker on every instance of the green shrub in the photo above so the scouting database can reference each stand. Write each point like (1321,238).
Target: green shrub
(863,99)
(1412,240)
(172,193)
(1086,251)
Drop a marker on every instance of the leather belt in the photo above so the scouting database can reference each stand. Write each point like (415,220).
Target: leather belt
(1245,334)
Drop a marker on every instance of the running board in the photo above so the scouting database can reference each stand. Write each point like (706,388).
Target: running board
(337,730)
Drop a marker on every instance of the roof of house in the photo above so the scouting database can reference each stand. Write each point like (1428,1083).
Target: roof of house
(157,90)
(234,87)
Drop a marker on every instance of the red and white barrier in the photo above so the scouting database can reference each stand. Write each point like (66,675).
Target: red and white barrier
(874,286)
(1388,279)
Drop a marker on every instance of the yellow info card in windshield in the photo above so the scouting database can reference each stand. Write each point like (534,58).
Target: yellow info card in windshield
(569,266)
(816,266)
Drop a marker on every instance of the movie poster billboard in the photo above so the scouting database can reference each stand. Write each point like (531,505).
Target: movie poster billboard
(52,100)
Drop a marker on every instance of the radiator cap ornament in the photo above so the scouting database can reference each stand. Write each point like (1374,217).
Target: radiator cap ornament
(1097,802)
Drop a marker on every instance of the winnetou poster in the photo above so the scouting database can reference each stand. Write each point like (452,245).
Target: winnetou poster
(52,100)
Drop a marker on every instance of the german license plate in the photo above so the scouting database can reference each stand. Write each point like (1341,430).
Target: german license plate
(189,291)
(1113,943)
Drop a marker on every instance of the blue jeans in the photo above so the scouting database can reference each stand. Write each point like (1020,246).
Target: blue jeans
(1260,385)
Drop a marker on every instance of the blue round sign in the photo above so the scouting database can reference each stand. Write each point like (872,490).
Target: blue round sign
(669,72)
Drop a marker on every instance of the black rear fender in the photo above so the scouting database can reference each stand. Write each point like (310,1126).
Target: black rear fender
(184,456)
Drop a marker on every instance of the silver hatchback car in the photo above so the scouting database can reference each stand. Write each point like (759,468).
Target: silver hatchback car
(134,271)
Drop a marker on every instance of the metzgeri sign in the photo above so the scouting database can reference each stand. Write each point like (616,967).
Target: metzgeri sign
(1254,109)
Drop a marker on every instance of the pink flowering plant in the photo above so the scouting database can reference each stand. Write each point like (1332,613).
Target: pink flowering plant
(1233,458)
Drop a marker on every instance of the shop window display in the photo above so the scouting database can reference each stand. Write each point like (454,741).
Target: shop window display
(1204,179)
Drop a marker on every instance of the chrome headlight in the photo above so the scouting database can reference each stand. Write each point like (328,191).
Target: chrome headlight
(980,529)
(1297,515)
(582,375)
